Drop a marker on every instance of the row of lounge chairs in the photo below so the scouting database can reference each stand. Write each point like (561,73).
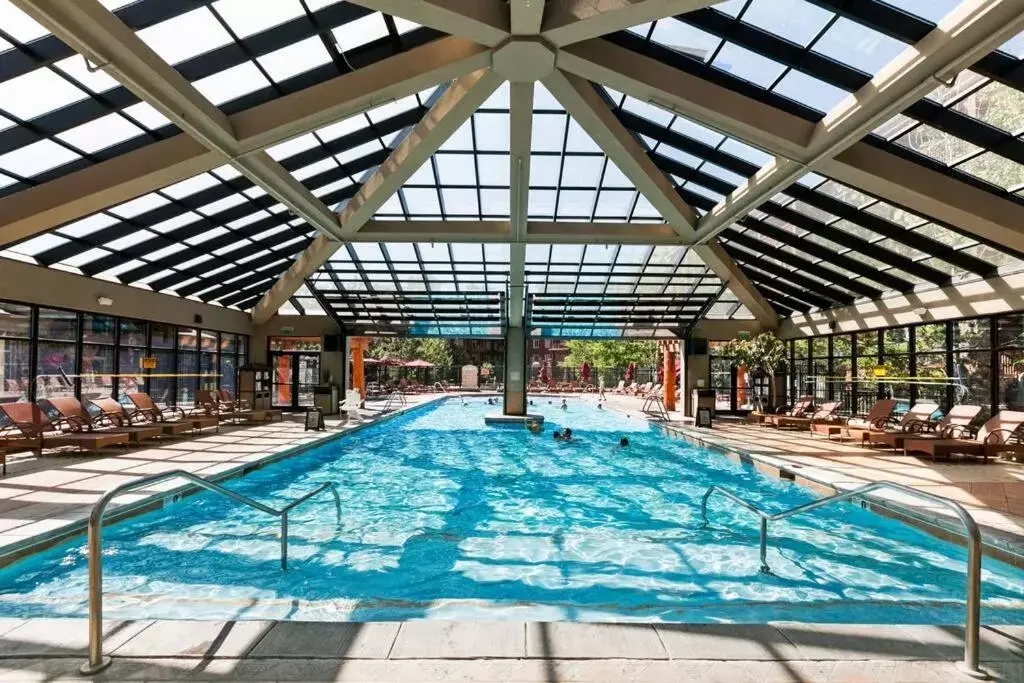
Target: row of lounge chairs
(915,432)
(562,387)
(65,422)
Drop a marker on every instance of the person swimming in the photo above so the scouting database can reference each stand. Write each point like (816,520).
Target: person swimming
(558,435)
(599,406)
(624,442)
(564,406)
(534,426)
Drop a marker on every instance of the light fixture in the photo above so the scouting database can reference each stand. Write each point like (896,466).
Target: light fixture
(921,312)
(104,301)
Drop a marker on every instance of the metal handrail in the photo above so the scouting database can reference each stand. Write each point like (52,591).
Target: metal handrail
(972,629)
(402,400)
(97,662)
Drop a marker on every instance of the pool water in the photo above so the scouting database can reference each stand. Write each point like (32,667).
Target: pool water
(444,517)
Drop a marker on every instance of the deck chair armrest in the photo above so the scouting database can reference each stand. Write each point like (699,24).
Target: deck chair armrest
(70,423)
(27,429)
(175,411)
(1011,435)
(960,432)
(916,425)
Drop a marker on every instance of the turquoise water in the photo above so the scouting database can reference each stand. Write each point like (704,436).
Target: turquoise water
(444,517)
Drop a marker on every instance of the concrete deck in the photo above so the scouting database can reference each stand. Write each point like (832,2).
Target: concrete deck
(53,649)
(42,495)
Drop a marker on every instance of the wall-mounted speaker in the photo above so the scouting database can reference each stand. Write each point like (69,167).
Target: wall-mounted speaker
(698,347)
(197,319)
(333,343)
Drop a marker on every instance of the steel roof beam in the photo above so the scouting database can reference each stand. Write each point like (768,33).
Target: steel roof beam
(573,21)
(483,21)
(451,110)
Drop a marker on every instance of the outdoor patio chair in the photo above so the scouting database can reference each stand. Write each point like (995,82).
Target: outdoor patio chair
(171,415)
(800,408)
(208,403)
(825,414)
(620,388)
(352,404)
(1000,435)
(76,416)
(121,418)
(240,404)
(28,428)
(919,413)
(854,427)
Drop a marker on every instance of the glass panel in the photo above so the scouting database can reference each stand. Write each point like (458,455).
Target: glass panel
(932,365)
(98,329)
(163,336)
(14,368)
(281,392)
(209,369)
(819,347)
(133,333)
(188,381)
(229,343)
(867,347)
(228,373)
(131,379)
(161,384)
(15,320)
(800,348)
(1011,379)
(58,325)
(55,365)
(972,375)
(309,377)
(930,337)
(97,370)
(896,340)
(208,341)
(841,345)
(971,334)
(186,338)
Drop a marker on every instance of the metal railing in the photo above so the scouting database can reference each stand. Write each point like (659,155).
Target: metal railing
(395,398)
(97,662)
(970,664)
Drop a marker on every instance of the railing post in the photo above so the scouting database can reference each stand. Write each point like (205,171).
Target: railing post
(764,546)
(972,658)
(97,662)
(284,540)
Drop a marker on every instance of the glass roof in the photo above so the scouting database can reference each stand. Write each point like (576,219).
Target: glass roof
(217,238)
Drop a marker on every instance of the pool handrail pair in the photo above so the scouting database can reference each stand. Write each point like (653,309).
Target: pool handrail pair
(97,661)
(972,631)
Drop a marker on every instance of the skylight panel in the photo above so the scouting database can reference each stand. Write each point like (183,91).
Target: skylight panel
(858,46)
(797,21)
(747,65)
(424,175)
(461,140)
(88,225)
(360,32)
(697,131)
(614,177)
(809,91)
(494,202)
(575,203)
(294,59)
(548,132)
(190,186)
(937,145)
(231,83)
(177,222)
(578,140)
(460,202)
(685,38)
(614,204)
(894,127)
(422,201)
(680,156)
(246,17)
(541,203)
(543,99)
(139,205)
(544,171)
(343,127)
(391,109)
(36,93)
(147,115)
(997,105)
(38,245)
(131,239)
(964,82)
(168,38)
(19,25)
(732,7)
(332,187)
(101,133)
(456,169)
(582,171)
(744,151)
(494,169)
(33,159)
(930,10)
(216,207)
(1014,46)
(314,168)
(995,169)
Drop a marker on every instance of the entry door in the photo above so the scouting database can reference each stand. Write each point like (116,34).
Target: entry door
(307,377)
(282,390)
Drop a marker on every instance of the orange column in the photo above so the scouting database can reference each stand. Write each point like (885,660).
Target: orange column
(356,347)
(669,374)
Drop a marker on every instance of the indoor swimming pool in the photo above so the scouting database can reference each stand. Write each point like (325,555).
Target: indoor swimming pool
(444,517)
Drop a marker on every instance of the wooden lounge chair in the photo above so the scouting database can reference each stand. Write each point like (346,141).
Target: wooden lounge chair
(121,418)
(909,425)
(243,405)
(956,424)
(620,388)
(209,403)
(29,429)
(997,436)
(800,408)
(824,414)
(72,410)
(855,427)
(171,415)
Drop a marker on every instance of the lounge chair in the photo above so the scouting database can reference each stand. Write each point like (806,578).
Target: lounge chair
(621,388)
(29,429)
(171,415)
(72,410)
(998,435)
(824,414)
(800,408)
(857,427)
(119,417)
(243,405)
(909,425)
(955,424)
(208,403)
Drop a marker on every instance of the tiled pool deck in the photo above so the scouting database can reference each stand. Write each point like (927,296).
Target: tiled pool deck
(41,495)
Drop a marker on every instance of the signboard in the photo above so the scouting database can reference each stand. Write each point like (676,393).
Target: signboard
(314,420)
(704,418)
(287,330)
(147,363)
(744,335)
(879,371)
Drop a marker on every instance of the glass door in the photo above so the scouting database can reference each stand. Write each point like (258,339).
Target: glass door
(282,390)
(307,371)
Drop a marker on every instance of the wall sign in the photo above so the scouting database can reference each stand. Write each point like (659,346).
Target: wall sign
(704,418)
(314,420)
(147,363)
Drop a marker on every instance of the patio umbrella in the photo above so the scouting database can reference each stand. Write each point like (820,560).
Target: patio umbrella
(544,373)
(419,364)
(630,372)
(371,361)
(585,372)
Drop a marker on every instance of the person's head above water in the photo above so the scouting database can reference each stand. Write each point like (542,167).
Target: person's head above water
(558,435)
(567,433)
(623,442)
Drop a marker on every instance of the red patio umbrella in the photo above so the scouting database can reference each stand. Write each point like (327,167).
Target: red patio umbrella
(371,361)
(419,364)
(544,373)
(585,372)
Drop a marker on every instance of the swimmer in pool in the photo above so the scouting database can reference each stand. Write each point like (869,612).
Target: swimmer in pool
(558,435)
(624,442)
(564,405)
(534,426)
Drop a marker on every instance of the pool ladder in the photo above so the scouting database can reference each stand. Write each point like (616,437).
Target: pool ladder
(395,398)
(97,661)
(972,635)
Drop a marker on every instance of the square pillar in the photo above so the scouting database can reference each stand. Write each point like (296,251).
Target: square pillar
(669,377)
(356,347)
(515,371)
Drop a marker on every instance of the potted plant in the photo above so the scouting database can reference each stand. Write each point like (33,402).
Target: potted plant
(763,355)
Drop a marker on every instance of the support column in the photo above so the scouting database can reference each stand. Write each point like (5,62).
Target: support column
(669,375)
(515,371)
(356,346)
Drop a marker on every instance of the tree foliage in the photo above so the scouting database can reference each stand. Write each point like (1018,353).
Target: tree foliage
(611,354)
(434,350)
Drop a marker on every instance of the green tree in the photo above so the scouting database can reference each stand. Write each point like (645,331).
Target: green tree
(611,354)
